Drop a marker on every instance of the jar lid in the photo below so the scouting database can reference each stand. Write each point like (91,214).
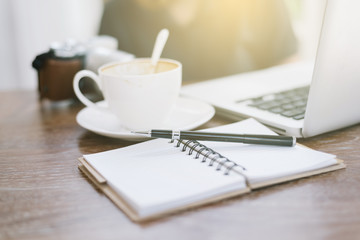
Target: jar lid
(67,49)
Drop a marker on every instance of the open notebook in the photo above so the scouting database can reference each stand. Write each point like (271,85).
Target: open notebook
(154,178)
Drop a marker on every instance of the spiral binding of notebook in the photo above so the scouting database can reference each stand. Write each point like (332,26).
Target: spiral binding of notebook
(209,155)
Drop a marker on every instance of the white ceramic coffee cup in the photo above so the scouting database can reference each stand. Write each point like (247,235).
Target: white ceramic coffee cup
(141,99)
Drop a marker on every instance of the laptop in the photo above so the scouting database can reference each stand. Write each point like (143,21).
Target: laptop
(300,99)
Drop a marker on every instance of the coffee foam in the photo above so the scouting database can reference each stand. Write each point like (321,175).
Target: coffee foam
(138,68)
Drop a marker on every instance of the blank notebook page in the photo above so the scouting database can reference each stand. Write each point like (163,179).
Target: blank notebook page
(264,162)
(154,176)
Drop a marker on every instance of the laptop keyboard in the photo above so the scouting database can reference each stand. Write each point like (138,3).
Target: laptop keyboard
(291,103)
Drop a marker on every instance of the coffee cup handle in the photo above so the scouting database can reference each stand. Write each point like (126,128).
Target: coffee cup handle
(80,75)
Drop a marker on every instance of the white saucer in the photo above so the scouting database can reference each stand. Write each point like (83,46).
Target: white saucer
(187,114)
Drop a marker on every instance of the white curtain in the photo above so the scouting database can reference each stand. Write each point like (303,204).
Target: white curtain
(29,26)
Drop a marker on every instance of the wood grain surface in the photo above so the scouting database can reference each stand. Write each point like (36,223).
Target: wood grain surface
(43,195)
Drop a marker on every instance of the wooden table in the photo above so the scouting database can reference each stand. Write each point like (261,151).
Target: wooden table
(43,195)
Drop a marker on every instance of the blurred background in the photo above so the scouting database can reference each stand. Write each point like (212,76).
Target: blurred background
(211,38)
